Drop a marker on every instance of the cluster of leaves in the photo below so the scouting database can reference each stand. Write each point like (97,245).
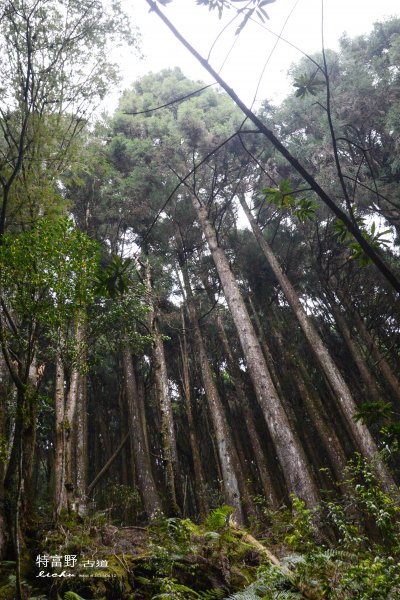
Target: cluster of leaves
(307,84)
(376,239)
(284,197)
(48,271)
(381,413)
(122,307)
(355,566)
(122,502)
(173,540)
(244,7)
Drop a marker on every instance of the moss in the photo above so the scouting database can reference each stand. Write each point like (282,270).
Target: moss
(7,592)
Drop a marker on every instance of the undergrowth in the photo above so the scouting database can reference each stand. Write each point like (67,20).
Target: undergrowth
(363,561)
(347,549)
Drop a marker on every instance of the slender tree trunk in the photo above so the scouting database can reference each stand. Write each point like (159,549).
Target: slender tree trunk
(269,359)
(29,442)
(107,466)
(81,443)
(314,406)
(200,490)
(170,453)
(71,410)
(227,455)
(3,452)
(358,430)
(371,389)
(243,406)
(141,458)
(59,497)
(290,453)
(18,492)
(381,363)
(124,430)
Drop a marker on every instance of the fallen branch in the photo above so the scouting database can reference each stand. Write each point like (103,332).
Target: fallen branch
(108,464)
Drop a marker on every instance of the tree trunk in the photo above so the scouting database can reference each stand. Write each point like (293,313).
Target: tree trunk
(358,430)
(107,466)
(200,490)
(381,363)
(170,453)
(314,406)
(141,458)
(227,455)
(371,391)
(290,454)
(81,443)
(3,452)
(70,420)
(243,406)
(59,497)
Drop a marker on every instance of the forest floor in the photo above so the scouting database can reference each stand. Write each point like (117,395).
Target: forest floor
(288,554)
(170,558)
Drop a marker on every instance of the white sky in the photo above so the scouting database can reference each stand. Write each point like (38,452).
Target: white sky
(245,63)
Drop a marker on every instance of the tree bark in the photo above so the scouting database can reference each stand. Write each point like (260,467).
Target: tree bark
(141,458)
(170,453)
(71,417)
(290,453)
(243,406)
(381,363)
(314,406)
(371,389)
(3,452)
(81,442)
(200,490)
(59,497)
(358,430)
(227,455)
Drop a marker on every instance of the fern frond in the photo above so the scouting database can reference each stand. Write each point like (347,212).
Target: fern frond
(218,518)
(72,596)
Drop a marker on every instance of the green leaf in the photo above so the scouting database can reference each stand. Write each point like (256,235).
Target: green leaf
(218,518)
(305,209)
(371,412)
(307,84)
(72,596)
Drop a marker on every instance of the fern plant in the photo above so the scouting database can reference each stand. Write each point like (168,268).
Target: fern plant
(219,518)
(72,596)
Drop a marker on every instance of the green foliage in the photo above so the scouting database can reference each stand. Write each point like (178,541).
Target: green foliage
(371,412)
(357,566)
(125,314)
(122,502)
(218,519)
(307,84)
(376,239)
(172,534)
(47,273)
(170,589)
(302,532)
(248,9)
(72,596)
(115,279)
(391,435)
(284,197)
(305,209)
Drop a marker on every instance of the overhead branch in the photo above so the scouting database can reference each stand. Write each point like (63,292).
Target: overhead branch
(283,150)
